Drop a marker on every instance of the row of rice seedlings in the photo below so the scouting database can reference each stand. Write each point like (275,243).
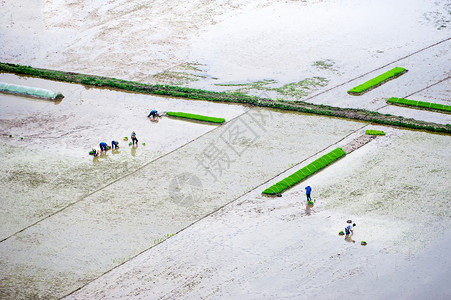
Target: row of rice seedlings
(419,104)
(306,171)
(374,132)
(196,117)
(377,81)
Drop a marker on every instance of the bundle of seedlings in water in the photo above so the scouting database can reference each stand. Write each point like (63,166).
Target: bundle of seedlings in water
(310,203)
(377,81)
(419,104)
(144,144)
(363,243)
(91,152)
(10,135)
(341,233)
(130,143)
(303,173)
(196,117)
(374,132)
(125,138)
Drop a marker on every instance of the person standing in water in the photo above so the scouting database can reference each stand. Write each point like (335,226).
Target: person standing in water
(308,191)
(114,145)
(134,139)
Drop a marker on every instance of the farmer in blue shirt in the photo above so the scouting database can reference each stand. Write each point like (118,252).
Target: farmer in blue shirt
(349,230)
(103,146)
(153,113)
(308,190)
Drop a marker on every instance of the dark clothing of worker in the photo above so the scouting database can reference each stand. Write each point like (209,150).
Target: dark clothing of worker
(114,145)
(103,146)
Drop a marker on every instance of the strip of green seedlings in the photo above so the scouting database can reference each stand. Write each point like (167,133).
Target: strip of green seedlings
(374,132)
(305,172)
(419,104)
(375,82)
(197,94)
(196,117)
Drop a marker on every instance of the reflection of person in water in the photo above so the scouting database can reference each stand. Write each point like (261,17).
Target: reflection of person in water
(308,208)
(348,238)
(134,147)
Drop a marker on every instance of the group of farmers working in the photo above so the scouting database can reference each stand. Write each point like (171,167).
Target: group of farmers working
(115,144)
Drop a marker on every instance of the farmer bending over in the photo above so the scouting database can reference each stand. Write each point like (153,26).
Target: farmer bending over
(153,113)
(103,146)
(349,230)
(114,145)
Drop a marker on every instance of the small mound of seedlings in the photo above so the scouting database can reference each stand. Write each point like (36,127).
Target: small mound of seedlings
(195,117)
(303,173)
(125,138)
(363,243)
(374,132)
(341,233)
(419,104)
(377,81)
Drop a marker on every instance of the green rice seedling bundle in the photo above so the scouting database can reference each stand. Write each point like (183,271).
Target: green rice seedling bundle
(196,117)
(374,132)
(419,104)
(306,171)
(375,82)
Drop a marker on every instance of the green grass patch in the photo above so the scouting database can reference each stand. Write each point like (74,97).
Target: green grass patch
(305,172)
(195,117)
(419,104)
(377,81)
(374,132)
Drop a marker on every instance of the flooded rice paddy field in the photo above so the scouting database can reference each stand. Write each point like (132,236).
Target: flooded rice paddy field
(70,221)
(279,247)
